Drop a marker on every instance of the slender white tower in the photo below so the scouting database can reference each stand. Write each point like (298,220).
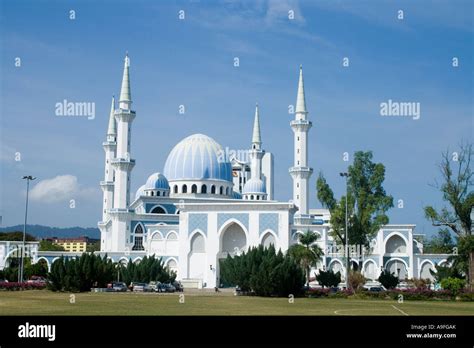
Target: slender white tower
(123,164)
(110,148)
(256,153)
(300,171)
(255,188)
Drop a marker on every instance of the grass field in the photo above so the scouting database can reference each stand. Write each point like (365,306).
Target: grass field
(43,302)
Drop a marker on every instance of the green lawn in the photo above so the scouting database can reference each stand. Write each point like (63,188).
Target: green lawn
(43,302)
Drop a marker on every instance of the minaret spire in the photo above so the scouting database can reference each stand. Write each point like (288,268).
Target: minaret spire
(300,99)
(300,171)
(125,94)
(112,129)
(256,138)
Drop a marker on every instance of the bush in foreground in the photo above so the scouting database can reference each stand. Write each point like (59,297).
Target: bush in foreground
(264,272)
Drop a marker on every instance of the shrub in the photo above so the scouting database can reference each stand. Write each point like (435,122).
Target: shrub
(149,269)
(264,272)
(466,295)
(455,285)
(419,283)
(328,278)
(356,280)
(388,280)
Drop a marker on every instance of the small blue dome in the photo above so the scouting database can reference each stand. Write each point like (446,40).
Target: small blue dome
(157,181)
(198,157)
(140,192)
(255,185)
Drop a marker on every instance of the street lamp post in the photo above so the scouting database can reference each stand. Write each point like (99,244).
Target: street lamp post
(20,274)
(346,237)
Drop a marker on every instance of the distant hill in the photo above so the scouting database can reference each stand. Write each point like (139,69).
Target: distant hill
(39,231)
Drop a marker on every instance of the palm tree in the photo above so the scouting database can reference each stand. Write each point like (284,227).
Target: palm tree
(307,253)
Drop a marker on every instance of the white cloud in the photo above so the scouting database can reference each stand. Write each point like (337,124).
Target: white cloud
(60,188)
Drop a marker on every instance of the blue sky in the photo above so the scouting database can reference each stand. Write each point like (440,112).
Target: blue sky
(190,62)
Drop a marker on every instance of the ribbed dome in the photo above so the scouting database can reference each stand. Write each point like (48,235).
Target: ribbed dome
(157,181)
(255,185)
(198,157)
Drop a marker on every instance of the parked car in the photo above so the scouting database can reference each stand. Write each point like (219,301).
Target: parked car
(3,281)
(139,287)
(166,287)
(119,287)
(178,286)
(153,286)
(376,289)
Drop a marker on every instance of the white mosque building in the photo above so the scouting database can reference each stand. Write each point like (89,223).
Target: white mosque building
(205,205)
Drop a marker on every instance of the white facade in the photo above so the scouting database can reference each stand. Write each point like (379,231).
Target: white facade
(205,206)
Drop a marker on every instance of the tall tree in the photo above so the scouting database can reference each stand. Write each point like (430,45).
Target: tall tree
(307,253)
(442,243)
(456,187)
(367,201)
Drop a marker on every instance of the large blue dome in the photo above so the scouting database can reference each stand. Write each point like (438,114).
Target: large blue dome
(198,157)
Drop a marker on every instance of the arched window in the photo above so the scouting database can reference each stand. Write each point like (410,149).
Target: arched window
(158,193)
(258,197)
(138,229)
(213,189)
(221,190)
(227,191)
(185,189)
(251,197)
(175,188)
(203,189)
(158,210)
(194,189)
(152,193)
(138,245)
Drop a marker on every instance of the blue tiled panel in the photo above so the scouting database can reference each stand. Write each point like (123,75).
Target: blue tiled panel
(197,221)
(268,221)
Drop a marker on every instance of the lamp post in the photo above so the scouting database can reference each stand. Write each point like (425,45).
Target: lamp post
(346,237)
(20,274)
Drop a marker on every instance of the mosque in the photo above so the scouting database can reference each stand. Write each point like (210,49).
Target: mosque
(206,204)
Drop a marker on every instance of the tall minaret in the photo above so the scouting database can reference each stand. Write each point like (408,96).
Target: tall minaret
(256,153)
(300,172)
(110,148)
(123,164)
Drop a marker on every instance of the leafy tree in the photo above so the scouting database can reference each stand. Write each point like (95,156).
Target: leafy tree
(440,244)
(456,188)
(92,247)
(367,202)
(443,272)
(455,285)
(328,278)
(388,280)
(47,245)
(308,253)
